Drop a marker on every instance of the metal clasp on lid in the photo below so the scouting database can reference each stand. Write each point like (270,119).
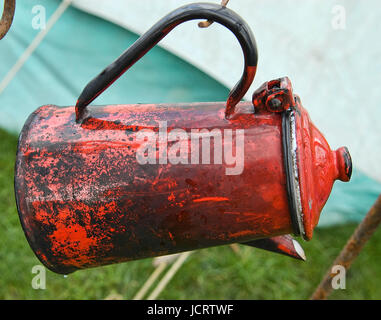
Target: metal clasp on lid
(274,96)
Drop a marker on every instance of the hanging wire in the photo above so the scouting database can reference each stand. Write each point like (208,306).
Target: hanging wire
(207,23)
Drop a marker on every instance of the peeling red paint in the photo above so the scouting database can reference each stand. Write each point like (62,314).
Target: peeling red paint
(85,201)
(211,199)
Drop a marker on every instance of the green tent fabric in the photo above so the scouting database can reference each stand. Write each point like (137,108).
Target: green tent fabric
(80,45)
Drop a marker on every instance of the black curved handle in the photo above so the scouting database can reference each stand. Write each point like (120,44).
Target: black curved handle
(140,47)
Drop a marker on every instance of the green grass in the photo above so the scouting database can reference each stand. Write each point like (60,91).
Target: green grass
(215,273)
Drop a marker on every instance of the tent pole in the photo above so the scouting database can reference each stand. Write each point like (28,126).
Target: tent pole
(352,248)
